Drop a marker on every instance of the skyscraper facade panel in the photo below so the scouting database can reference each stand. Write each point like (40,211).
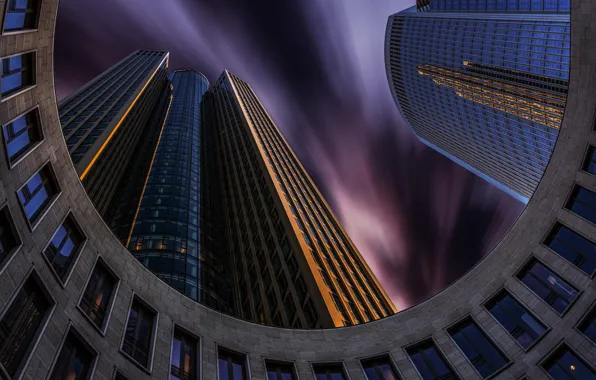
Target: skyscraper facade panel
(295,265)
(165,236)
(488,89)
(103,121)
(562,6)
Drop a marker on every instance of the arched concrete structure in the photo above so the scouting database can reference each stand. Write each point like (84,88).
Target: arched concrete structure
(302,347)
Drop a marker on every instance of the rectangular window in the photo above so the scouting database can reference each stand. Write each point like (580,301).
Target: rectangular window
(547,285)
(21,135)
(590,160)
(65,247)
(18,72)
(22,323)
(21,15)
(231,365)
(518,321)
(138,337)
(75,360)
(9,239)
(583,203)
(379,368)
(184,357)
(429,362)
(588,325)
(565,364)
(573,247)
(279,370)
(98,294)
(484,355)
(37,194)
(330,371)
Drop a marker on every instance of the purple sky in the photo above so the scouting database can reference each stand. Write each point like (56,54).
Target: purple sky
(318,67)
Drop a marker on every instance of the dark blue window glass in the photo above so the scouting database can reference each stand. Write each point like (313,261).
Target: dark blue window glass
(564,364)
(590,161)
(231,366)
(429,362)
(329,372)
(37,193)
(21,14)
(547,285)
(75,360)
(279,371)
(64,247)
(588,326)
(98,294)
(583,203)
(138,338)
(484,355)
(21,134)
(578,250)
(183,364)
(518,321)
(379,369)
(17,73)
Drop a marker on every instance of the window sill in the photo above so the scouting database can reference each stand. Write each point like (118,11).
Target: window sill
(101,331)
(40,217)
(135,362)
(12,164)
(19,92)
(19,31)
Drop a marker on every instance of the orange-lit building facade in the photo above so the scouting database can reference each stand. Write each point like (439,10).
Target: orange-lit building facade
(294,265)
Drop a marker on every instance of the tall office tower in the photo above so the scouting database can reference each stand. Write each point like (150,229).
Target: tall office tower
(484,83)
(165,232)
(103,122)
(295,266)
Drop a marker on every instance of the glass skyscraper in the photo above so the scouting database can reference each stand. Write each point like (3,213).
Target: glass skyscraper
(484,82)
(294,265)
(165,234)
(105,120)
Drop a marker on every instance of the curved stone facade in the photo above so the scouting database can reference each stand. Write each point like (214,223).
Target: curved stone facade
(303,347)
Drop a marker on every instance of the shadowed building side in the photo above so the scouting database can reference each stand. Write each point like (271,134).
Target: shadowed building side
(294,264)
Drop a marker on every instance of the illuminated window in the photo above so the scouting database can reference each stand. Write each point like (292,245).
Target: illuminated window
(98,294)
(564,364)
(75,360)
(184,365)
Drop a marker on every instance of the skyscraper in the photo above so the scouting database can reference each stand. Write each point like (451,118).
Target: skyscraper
(166,228)
(484,82)
(104,120)
(294,264)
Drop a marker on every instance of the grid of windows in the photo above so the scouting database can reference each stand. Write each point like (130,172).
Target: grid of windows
(22,134)
(183,365)
(564,364)
(573,247)
(379,368)
(523,326)
(21,15)
(75,360)
(500,6)
(490,123)
(259,236)
(98,294)
(64,247)
(429,362)
(583,203)
(18,72)
(9,239)
(231,365)
(38,193)
(547,285)
(21,324)
(329,371)
(279,370)
(138,336)
(484,355)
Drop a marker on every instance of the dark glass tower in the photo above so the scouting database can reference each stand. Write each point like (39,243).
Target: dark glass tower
(103,122)
(295,266)
(165,235)
(484,83)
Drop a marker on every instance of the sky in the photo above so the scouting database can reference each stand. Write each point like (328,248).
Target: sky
(419,220)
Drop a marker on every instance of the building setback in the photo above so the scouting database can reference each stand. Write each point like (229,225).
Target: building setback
(104,121)
(484,83)
(294,264)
